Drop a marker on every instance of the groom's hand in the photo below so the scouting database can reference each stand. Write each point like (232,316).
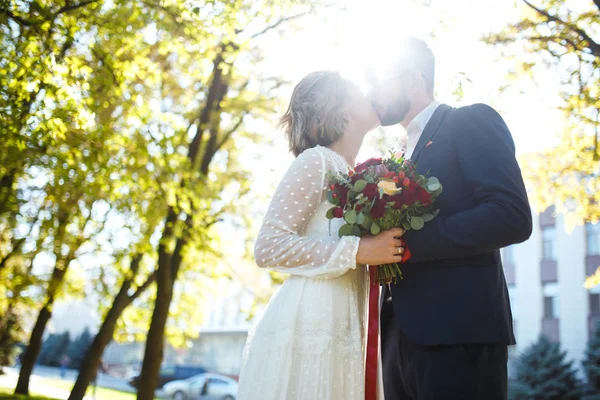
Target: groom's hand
(385,248)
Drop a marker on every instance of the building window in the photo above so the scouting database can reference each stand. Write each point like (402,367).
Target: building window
(548,241)
(594,299)
(550,307)
(592,232)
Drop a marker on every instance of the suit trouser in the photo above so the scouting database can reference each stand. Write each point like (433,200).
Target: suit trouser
(442,372)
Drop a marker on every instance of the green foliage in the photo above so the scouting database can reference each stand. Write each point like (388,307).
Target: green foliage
(563,35)
(591,362)
(78,347)
(544,373)
(54,349)
(10,337)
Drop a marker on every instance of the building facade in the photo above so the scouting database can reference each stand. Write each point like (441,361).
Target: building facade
(546,276)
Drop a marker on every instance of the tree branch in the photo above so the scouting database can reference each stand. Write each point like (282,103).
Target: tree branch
(17,19)
(594,47)
(231,131)
(71,7)
(282,21)
(149,281)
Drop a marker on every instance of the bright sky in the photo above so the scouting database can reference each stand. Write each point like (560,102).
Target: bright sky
(366,33)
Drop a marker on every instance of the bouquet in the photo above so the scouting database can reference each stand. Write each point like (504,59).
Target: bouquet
(380,194)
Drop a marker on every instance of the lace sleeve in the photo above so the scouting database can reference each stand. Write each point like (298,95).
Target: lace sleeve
(280,245)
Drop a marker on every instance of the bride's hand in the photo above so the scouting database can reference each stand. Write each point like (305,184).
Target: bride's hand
(385,248)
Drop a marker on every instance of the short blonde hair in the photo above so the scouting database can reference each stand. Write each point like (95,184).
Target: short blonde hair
(315,116)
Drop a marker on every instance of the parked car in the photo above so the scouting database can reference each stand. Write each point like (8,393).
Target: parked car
(202,387)
(171,373)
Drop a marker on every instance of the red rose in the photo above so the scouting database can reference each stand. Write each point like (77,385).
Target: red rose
(338,212)
(423,196)
(412,187)
(378,209)
(371,190)
(398,201)
(343,195)
(410,197)
(370,162)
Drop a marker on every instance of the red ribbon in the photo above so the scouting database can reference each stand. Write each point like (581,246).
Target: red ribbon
(372,337)
(373,329)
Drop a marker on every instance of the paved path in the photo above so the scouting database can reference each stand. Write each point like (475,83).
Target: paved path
(39,386)
(36,385)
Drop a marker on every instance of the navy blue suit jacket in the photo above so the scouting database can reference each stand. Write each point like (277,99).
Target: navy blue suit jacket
(454,290)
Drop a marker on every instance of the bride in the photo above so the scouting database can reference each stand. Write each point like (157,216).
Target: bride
(310,342)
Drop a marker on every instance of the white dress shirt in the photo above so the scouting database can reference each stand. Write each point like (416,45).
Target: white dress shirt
(417,126)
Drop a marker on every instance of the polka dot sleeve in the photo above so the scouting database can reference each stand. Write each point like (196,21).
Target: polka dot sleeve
(281,246)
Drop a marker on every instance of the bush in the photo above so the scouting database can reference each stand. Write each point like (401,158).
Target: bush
(591,365)
(53,349)
(10,338)
(543,373)
(78,348)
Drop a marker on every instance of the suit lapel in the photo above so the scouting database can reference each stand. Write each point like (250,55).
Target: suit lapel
(430,130)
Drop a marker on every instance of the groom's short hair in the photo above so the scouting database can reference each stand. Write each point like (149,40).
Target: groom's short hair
(416,55)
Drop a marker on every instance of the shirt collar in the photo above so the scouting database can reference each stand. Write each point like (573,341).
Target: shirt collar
(418,124)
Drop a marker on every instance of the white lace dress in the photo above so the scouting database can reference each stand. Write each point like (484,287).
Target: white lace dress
(310,342)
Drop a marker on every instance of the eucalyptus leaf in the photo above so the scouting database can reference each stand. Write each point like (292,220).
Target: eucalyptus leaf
(431,180)
(375,229)
(345,230)
(356,230)
(434,187)
(329,214)
(367,222)
(360,185)
(417,223)
(427,217)
(361,219)
(350,217)
(436,213)
(406,225)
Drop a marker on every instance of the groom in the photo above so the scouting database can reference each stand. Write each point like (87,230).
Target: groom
(446,326)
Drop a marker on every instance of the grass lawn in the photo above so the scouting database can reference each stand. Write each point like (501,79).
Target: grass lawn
(7,394)
(101,393)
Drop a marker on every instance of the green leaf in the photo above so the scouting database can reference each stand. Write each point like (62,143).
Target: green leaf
(361,219)
(329,214)
(356,230)
(375,229)
(406,225)
(360,185)
(350,216)
(427,217)
(346,230)
(434,187)
(432,179)
(435,213)
(367,222)
(417,223)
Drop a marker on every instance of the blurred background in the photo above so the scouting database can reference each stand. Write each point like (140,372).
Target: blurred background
(139,151)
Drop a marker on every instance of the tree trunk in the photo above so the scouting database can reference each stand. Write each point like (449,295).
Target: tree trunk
(93,357)
(90,363)
(168,263)
(35,342)
(33,349)
(155,341)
